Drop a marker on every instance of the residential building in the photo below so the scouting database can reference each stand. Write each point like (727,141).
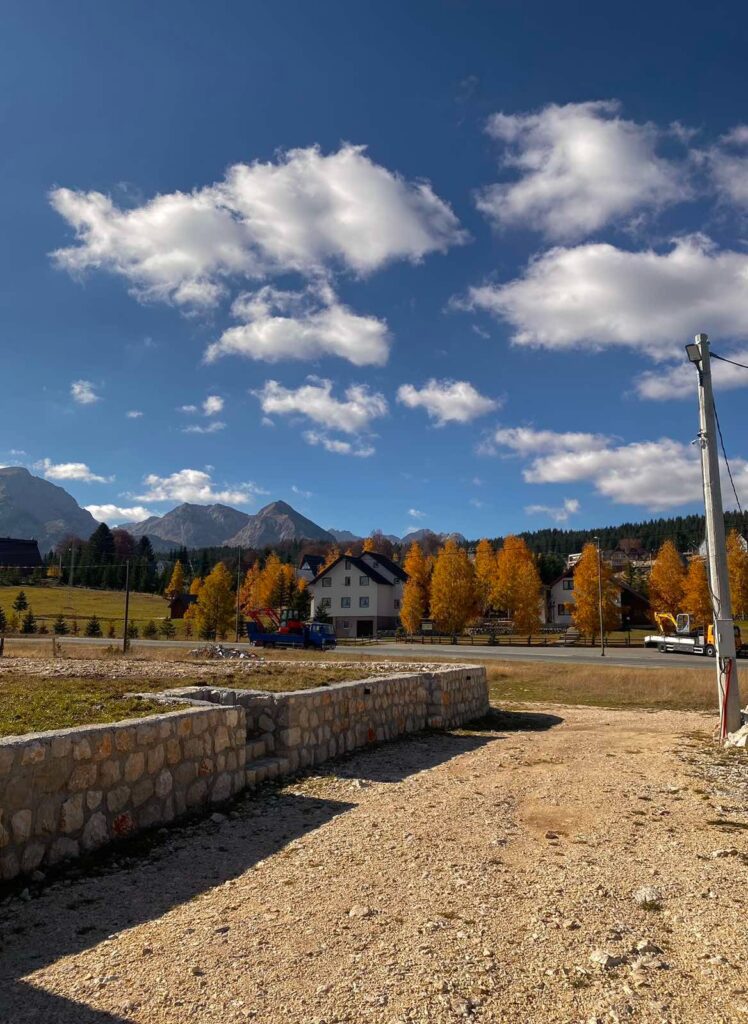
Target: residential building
(635,608)
(309,567)
(22,555)
(361,594)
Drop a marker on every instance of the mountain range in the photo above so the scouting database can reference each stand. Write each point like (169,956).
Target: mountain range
(35,508)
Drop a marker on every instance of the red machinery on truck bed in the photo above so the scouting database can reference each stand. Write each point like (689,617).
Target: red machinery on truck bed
(287,631)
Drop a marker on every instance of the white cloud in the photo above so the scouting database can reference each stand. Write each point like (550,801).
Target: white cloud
(658,474)
(306,212)
(301,325)
(447,401)
(727,165)
(528,440)
(360,449)
(189,409)
(679,381)
(558,513)
(596,296)
(315,401)
(196,486)
(133,414)
(113,514)
(579,166)
(301,493)
(83,392)
(212,405)
(70,471)
(211,428)
(416,513)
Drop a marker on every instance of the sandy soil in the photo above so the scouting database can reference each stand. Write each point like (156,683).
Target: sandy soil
(447,878)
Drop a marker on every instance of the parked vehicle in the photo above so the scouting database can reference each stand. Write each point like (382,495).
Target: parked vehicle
(287,631)
(687,638)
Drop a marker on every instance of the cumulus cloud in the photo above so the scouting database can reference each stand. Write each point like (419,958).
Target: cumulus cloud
(210,428)
(597,296)
(529,441)
(558,513)
(578,167)
(360,449)
(133,414)
(659,474)
(306,212)
(300,492)
(113,514)
(315,400)
(279,325)
(727,166)
(446,401)
(83,392)
(679,381)
(70,471)
(415,513)
(212,405)
(196,486)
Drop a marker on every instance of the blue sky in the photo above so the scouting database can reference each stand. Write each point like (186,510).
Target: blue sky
(401,265)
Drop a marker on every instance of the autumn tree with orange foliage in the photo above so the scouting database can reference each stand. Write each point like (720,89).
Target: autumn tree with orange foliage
(454,596)
(415,602)
(588,576)
(737,566)
(517,587)
(697,600)
(332,556)
(667,580)
(485,573)
(248,599)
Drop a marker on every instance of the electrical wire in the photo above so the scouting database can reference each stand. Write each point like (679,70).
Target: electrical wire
(724,454)
(732,362)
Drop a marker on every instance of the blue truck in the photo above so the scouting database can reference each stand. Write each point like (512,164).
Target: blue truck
(319,636)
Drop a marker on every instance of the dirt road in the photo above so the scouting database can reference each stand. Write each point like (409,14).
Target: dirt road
(447,878)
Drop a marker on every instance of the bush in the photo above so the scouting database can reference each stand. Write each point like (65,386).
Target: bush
(28,623)
(93,627)
(132,631)
(167,629)
(3,621)
(110,631)
(20,604)
(43,628)
(150,632)
(59,626)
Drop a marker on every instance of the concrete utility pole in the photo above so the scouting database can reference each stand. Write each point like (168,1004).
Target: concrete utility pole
(600,596)
(728,692)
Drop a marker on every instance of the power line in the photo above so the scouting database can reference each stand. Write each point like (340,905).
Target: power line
(724,454)
(732,362)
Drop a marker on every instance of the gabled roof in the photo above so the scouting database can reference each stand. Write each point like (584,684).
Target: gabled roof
(315,562)
(389,565)
(23,554)
(359,564)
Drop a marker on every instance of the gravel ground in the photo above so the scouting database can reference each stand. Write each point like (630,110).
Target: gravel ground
(486,876)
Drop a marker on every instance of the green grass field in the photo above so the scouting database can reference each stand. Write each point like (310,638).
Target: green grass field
(47,602)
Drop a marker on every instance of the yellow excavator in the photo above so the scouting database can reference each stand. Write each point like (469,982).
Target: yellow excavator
(679,635)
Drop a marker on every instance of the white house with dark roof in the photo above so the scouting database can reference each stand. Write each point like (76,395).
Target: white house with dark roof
(361,594)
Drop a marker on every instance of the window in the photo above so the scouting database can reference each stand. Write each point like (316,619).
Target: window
(345,602)
(397,602)
(347,563)
(347,581)
(363,581)
(567,584)
(324,602)
(346,623)
(363,602)
(564,609)
(327,581)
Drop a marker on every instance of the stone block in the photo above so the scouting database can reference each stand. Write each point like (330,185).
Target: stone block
(82,776)
(95,833)
(48,815)
(150,815)
(291,737)
(146,735)
(156,756)
(205,767)
(4,834)
(184,726)
(165,729)
(221,739)
(197,793)
(33,753)
(93,799)
(7,756)
(71,814)
(164,783)
(62,849)
(173,751)
(142,791)
(123,825)
(199,723)
(124,739)
(61,746)
(184,773)
(134,766)
(118,798)
(232,718)
(9,866)
(81,750)
(221,788)
(266,723)
(21,826)
(103,746)
(193,748)
(110,773)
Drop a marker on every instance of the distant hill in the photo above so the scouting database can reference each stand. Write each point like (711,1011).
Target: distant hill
(33,508)
(344,536)
(416,536)
(190,526)
(275,523)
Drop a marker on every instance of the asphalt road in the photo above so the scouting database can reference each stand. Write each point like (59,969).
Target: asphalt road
(625,657)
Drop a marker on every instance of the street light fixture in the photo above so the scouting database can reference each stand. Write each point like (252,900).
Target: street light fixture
(693,351)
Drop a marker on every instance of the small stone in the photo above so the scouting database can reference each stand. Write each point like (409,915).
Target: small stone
(551,835)
(648,897)
(24,895)
(198,972)
(647,946)
(605,959)
(570,924)
(218,818)
(223,929)
(38,876)
(729,851)
(360,911)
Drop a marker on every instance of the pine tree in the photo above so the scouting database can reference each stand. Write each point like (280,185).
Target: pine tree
(214,611)
(667,580)
(93,627)
(28,623)
(59,626)
(20,604)
(150,630)
(587,585)
(485,573)
(175,586)
(167,629)
(415,601)
(697,598)
(737,564)
(3,622)
(453,589)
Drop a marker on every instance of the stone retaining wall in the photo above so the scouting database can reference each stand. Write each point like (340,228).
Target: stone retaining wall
(67,792)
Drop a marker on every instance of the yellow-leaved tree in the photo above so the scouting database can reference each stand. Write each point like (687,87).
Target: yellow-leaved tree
(512,578)
(213,614)
(332,556)
(176,583)
(697,599)
(368,544)
(667,580)
(196,584)
(527,607)
(485,573)
(248,599)
(587,576)
(277,583)
(454,597)
(415,603)
(737,565)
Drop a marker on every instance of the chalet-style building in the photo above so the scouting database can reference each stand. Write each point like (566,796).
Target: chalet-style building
(309,567)
(635,608)
(22,555)
(362,594)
